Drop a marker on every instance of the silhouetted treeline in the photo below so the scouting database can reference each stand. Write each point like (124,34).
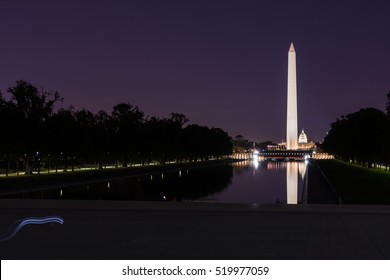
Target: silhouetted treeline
(34,136)
(362,137)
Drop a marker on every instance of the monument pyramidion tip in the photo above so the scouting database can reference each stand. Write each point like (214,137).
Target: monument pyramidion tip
(292,48)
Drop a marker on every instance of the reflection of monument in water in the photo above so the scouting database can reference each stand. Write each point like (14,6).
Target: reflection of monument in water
(295,174)
(292,171)
(292,139)
(294,151)
(292,182)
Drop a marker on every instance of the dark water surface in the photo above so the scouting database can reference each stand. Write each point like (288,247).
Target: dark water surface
(242,182)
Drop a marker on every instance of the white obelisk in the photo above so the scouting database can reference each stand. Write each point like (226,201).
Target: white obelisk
(292,116)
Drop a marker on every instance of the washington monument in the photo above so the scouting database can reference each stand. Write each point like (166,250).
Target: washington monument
(292,117)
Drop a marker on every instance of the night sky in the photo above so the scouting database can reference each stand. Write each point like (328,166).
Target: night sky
(221,63)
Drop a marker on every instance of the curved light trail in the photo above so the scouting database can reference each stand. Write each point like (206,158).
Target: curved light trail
(29,221)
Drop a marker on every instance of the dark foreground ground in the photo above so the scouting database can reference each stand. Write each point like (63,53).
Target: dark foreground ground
(150,230)
(169,230)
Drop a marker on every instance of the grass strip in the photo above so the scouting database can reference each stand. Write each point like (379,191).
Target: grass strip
(356,184)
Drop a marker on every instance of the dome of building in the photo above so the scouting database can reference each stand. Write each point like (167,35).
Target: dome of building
(302,138)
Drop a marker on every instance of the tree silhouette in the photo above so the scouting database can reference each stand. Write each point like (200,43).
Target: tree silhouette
(128,120)
(63,139)
(362,137)
(36,136)
(178,119)
(32,108)
(388,105)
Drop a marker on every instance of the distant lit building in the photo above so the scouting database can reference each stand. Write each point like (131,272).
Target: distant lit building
(302,138)
(303,144)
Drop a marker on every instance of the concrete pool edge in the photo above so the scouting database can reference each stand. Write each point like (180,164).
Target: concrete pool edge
(190,206)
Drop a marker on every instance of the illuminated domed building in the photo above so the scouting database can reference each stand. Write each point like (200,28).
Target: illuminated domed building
(302,138)
(303,144)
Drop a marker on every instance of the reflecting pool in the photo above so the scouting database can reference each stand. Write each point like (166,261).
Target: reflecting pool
(240,182)
(265,182)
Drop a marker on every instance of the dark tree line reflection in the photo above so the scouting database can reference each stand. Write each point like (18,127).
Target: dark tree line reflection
(35,137)
(182,185)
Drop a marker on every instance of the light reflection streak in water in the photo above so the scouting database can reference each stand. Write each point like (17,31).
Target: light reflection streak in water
(255,163)
(293,169)
(29,221)
(292,182)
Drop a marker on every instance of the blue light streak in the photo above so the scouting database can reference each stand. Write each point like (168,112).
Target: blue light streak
(30,221)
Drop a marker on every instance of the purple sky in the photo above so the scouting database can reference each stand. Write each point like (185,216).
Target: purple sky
(221,63)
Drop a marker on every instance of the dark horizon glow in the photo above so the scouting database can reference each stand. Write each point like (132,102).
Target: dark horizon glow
(221,63)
